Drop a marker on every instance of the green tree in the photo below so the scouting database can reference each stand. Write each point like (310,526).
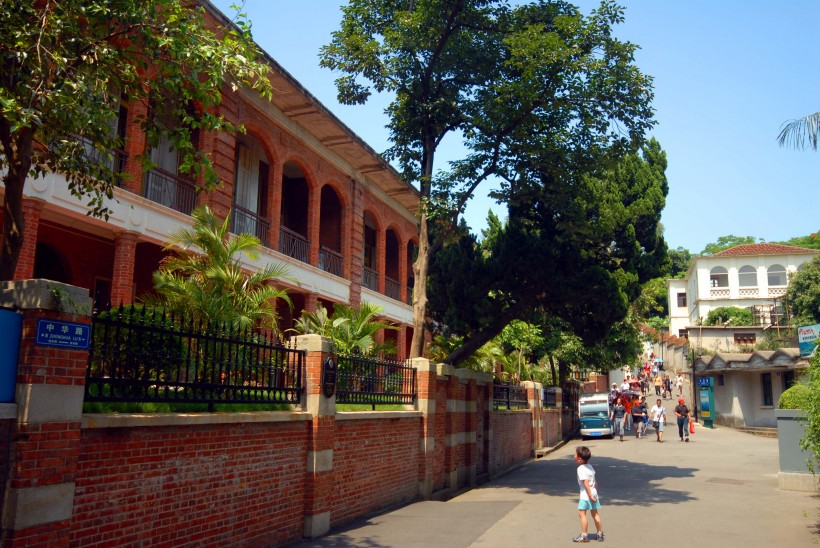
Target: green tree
(352,329)
(801,133)
(680,259)
(204,278)
(725,242)
(522,337)
(803,294)
(577,252)
(810,242)
(507,81)
(66,65)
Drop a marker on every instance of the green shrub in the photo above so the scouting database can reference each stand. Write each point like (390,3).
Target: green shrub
(739,316)
(796,397)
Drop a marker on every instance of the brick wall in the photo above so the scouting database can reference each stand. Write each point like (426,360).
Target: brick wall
(249,479)
(228,484)
(375,464)
(509,429)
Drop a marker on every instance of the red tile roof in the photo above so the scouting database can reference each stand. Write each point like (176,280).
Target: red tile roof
(764,249)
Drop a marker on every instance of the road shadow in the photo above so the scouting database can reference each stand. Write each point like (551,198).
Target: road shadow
(620,482)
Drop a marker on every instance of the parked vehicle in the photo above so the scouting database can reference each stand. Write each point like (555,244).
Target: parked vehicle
(593,410)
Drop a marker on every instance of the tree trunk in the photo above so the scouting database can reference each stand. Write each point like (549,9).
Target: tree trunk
(420,287)
(480,339)
(17,147)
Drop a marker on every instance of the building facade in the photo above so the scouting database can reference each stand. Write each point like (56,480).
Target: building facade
(321,201)
(747,382)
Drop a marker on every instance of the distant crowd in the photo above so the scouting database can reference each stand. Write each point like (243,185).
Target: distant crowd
(629,410)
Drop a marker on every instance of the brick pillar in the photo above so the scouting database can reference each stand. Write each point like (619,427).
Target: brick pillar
(314,220)
(403,273)
(45,438)
(311,302)
(534,399)
(125,252)
(453,430)
(401,342)
(32,208)
(381,258)
(275,204)
(426,386)
(354,255)
(470,426)
(319,476)
(135,141)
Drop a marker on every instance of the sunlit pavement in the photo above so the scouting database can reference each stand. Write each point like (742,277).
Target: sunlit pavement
(720,489)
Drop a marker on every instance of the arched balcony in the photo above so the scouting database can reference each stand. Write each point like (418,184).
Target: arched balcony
(392,285)
(331,214)
(293,237)
(250,190)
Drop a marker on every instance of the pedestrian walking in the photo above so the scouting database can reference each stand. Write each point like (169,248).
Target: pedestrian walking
(618,417)
(657,382)
(679,384)
(588,498)
(682,413)
(638,416)
(658,415)
(667,387)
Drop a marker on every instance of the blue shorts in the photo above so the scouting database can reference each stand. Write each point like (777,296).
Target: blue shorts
(586,505)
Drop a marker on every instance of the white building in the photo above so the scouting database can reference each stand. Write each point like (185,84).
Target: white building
(751,276)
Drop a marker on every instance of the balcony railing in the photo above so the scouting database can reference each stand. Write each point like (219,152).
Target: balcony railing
(294,245)
(245,221)
(392,288)
(331,261)
(370,279)
(719,293)
(113,159)
(178,193)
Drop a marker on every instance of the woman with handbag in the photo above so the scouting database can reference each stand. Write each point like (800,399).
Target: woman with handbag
(618,417)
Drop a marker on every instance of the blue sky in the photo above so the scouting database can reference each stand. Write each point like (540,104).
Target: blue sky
(727,75)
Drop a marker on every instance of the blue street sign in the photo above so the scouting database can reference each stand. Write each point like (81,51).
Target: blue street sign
(63,334)
(705,382)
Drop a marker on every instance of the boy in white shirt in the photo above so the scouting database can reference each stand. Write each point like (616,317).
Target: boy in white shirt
(588,500)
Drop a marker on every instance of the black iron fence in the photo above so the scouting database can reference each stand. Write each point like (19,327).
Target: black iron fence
(509,396)
(140,354)
(375,382)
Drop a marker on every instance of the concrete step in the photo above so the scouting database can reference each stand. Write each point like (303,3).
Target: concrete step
(762,431)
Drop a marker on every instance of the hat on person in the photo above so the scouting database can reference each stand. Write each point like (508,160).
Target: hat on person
(681,400)
(615,384)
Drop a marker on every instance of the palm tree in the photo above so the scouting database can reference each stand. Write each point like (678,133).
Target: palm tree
(352,329)
(801,133)
(204,278)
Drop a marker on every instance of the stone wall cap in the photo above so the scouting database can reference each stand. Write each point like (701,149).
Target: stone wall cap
(134,420)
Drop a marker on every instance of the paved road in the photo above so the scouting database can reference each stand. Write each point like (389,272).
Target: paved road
(718,490)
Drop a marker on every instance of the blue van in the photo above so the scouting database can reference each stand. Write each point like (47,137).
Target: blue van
(593,410)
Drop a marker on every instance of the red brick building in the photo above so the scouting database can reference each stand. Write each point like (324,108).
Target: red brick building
(320,199)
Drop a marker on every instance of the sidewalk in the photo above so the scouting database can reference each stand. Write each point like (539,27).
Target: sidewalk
(720,490)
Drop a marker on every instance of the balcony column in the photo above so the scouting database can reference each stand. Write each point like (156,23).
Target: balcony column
(134,148)
(32,209)
(314,220)
(403,272)
(311,302)
(274,204)
(401,342)
(354,251)
(125,253)
(381,259)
